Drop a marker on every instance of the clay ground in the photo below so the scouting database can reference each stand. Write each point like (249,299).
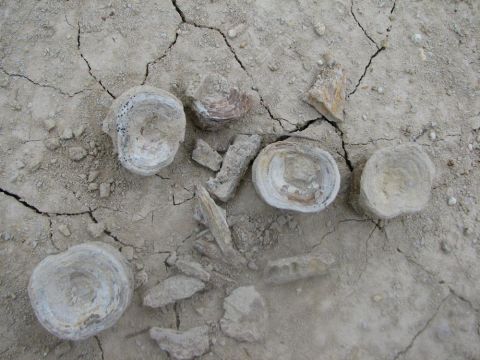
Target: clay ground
(407,288)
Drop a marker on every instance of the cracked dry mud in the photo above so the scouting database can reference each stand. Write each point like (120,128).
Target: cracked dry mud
(406,288)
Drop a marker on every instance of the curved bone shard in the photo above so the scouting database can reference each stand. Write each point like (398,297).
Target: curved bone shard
(171,290)
(296,175)
(146,125)
(294,268)
(235,164)
(82,291)
(394,181)
(182,345)
(216,104)
(328,93)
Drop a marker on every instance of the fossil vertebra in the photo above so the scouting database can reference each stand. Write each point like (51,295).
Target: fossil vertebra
(146,125)
(216,104)
(394,181)
(296,175)
(82,291)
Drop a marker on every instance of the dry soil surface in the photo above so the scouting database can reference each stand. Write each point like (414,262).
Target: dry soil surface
(406,288)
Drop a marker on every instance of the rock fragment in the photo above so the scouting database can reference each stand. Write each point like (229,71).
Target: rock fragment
(217,223)
(96,230)
(235,164)
(52,143)
(64,230)
(104,190)
(293,268)
(182,345)
(245,317)
(171,290)
(77,153)
(49,124)
(67,134)
(92,175)
(328,93)
(192,268)
(206,156)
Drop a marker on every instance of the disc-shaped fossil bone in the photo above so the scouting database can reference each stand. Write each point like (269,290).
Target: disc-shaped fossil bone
(216,103)
(296,175)
(394,181)
(147,126)
(82,291)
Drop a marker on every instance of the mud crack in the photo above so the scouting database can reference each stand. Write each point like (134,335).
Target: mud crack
(427,324)
(237,59)
(97,339)
(379,50)
(106,231)
(48,86)
(89,67)
(361,27)
(37,210)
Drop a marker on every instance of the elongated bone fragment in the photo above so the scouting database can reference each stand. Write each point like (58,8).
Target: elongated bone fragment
(146,125)
(182,345)
(192,268)
(216,222)
(294,268)
(235,164)
(394,181)
(328,93)
(171,290)
(82,291)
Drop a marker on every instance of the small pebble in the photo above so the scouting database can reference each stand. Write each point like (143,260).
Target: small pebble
(79,131)
(380,90)
(470,147)
(432,135)
(104,190)
(232,33)
(252,265)
(320,29)
(96,229)
(416,38)
(451,201)
(49,124)
(67,134)
(364,117)
(445,247)
(92,175)
(77,153)
(92,187)
(52,143)
(6,236)
(127,251)
(64,230)
(377,298)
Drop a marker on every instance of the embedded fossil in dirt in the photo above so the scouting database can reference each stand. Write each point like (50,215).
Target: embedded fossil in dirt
(146,125)
(82,291)
(394,181)
(284,270)
(216,104)
(328,93)
(296,175)
(182,345)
